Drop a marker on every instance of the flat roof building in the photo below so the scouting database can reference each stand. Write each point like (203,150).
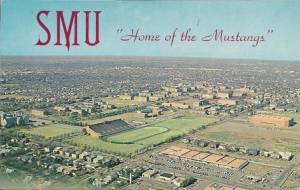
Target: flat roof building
(190,154)
(238,163)
(213,158)
(200,156)
(205,157)
(226,160)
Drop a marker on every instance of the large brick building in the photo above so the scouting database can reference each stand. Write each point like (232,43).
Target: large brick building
(271,121)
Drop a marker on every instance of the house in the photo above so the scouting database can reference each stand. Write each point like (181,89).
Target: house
(186,140)
(69,170)
(167,176)
(90,158)
(60,169)
(57,149)
(178,181)
(286,155)
(275,155)
(47,149)
(83,155)
(232,148)
(213,144)
(98,159)
(202,143)
(149,173)
(252,152)
(108,179)
(75,155)
(222,146)
(243,149)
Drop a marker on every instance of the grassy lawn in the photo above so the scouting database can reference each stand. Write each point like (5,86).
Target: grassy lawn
(51,130)
(98,143)
(158,139)
(186,124)
(58,118)
(136,135)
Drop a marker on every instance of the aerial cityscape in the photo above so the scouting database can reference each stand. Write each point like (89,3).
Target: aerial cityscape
(149,123)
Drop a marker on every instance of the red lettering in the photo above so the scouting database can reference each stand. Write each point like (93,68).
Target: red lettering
(67,31)
(44,27)
(87,28)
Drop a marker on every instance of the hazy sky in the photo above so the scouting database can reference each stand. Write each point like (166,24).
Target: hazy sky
(19,29)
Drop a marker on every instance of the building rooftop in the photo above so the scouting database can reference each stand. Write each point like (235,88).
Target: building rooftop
(237,163)
(190,154)
(226,160)
(213,158)
(201,156)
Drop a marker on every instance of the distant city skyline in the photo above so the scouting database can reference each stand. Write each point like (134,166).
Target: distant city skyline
(19,30)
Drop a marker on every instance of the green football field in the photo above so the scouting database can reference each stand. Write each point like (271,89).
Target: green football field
(136,135)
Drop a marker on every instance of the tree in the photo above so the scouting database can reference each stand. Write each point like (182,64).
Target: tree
(188,181)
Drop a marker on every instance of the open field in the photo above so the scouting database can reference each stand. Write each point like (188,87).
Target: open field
(136,134)
(186,124)
(140,138)
(256,169)
(295,116)
(242,133)
(51,130)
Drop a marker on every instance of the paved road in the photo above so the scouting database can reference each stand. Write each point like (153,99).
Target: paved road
(281,178)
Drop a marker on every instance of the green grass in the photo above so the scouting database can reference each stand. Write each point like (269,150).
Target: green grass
(185,124)
(136,135)
(51,130)
(58,118)
(98,143)
(158,139)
